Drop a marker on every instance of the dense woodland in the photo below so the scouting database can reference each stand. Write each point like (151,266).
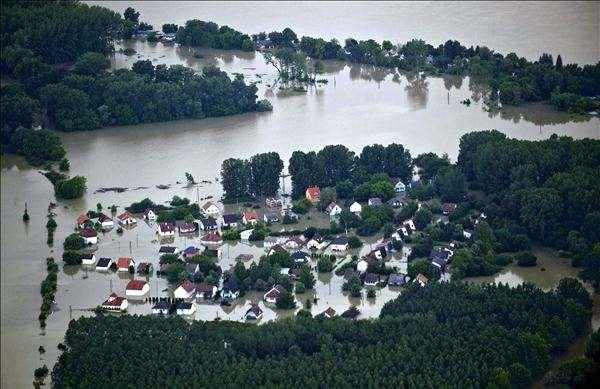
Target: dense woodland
(440,335)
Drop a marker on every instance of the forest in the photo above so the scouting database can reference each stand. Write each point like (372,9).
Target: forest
(446,334)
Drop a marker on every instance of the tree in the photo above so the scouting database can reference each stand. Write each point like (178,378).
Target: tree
(74,242)
(354,241)
(169,28)
(526,259)
(71,257)
(70,189)
(265,172)
(425,268)
(91,64)
(328,195)
(285,300)
(189,178)
(143,67)
(64,165)
(450,184)
(324,264)
(383,189)
(235,178)
(571,288)
(422,218)
(306,277)
(131,15)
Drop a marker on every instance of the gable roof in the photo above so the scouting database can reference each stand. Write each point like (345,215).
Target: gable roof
(187,227)
(396,278)
(86,256)
(251,215)
(162,305)
(191,250)
(371,278)
(135,285)
(349,274)
(422,278)
(340,240)
(88,233)
(230,218)
(166,227)
(351,313)
(188,286)
(206,222)
(231,285)
(103,262)
(205,288)
(255,309)
(167,249)
(299,255)
(113,301)
(448,207)
(147,211)
(375,201)
(332,205)
(329,312)
(212,237)
(103,218)
(271,216)
(313,191)
(274,292)
(125,215)
(82,219)
(207,205)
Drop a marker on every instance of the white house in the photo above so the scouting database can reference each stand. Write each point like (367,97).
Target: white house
(356,208)
(137,288)
(210,209)
(115,303)
(271,295)
(250,217)
(333,210)
(149,215)
(317,242)
(126,219)
(231,290)
(106,222)
(340,244)
(421,279)
(103,264)
(162,308)
(467,234)
(88,259)
(230,220)
(295,242)
(362,266)
(123,263)
(185,290)
(399,187)
(165,230)
(89,236)
(245,235)
(186,309)
(271,241)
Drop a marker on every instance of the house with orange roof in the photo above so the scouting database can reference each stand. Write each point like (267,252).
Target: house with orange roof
(313,194)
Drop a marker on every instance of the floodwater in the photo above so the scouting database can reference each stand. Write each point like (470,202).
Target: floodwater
(359,105)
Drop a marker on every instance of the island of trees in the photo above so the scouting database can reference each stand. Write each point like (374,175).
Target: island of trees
(445,334)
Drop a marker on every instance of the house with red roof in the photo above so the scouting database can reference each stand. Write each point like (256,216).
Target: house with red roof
(271,295)
(329,313)
(137,288)
(212,238)
(210,209)
(123,263)
(106,222)
(90,236)
(254,313)
(250,217)
(421,279)
(149,215)
(313,194)
(126,219)
(448,208)
(82,220)
(185,290)
(205,291)
(115,303)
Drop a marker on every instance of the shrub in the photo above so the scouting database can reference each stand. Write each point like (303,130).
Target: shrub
(526,259)
(71,257)
(300,288)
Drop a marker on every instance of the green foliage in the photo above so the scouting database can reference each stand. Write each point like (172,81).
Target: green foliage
(285,300)
(91,64)
(299,287)
(64,165)
(354,241)
(422,218)
(207,34)
(306,277)
(301,206)
(70,189)
(36,146)
(425,268)
(71,257)
(354,286)
(256,177)
(526,259)
(508,332)
(429,164)
(230,235)
(324,264)
(450,184)
(371,293)
(74,242)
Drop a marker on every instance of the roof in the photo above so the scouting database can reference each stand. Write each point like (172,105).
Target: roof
(396,278)
(103,218)
(113,301)
(317,238)
(255,309)
(82,219)
(188,286)
(299,255)
(439,253)
(274,292)
(184,306)
(448,207)
(103,262)
(349,274)
(162,305)
(230,218)
(136,285)
(277,247)
(313,191)
(330,312)
(125,215)
(167,249)
(422,278)
(231,285)
(188,226)
(86,256)
(296,239)
(88,233)
(207,205)
(343,240)
(251,215)
(191,250)
(375,201)
(371,278)
(212,237)
(124,262)
(147,211)
(351,313)
(144,266)
(271,216)
(166,227)
(191,267)
(204,288)
(331,207)
(206,222)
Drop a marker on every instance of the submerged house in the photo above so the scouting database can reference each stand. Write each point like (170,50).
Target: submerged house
(230,220)
(115,303)
(271,295)
(137,288)
(254,313)
(313,194)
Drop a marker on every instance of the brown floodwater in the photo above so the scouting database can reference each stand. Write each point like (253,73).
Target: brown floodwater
(359,105)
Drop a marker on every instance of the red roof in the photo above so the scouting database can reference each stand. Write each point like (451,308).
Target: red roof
(448,207)
(124,262)
(103,218)
(422,278)
(251,215)
(204,288)
(188,286)
(125,215)
(136,285)
(313,192)
(330,312)
(330,207)
(166,227)
(113,301)
(82,219)
(213,237)
(273,293)
(88,233)
(207,205)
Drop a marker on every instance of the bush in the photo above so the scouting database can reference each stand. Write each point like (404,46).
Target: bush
(324,265)
(371,293)
(70,189)
(526,259)
(301,206)
(300,288)
(354,242)
(41,372)
(285,300)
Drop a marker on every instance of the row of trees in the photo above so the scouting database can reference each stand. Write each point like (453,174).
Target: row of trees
(256,177)
(209,34)
(510,336)
(335,164)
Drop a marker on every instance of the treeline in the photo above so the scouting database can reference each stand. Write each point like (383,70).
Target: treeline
(208,34)
(335,165)
(510,336)
(258,176)
(547,189)
(48,290)
(515,80)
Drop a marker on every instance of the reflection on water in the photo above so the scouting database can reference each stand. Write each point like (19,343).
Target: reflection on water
(417,91)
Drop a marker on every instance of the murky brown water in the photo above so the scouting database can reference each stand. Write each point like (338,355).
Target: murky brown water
(360,105)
